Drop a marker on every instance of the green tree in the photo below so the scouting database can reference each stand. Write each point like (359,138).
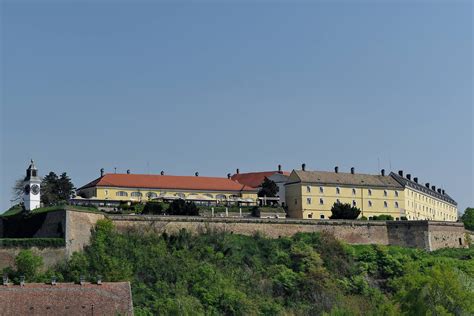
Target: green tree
(344,211)
(56,189)
(269,188)
(181,207)
(28,264)
(468,218)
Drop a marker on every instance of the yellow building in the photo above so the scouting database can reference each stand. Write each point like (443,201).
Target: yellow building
(311,194)
(110,189)
(425,202)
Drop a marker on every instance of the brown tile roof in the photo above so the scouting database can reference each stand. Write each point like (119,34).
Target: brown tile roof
(167,182)
(109,298)
(341,178)
(254,179)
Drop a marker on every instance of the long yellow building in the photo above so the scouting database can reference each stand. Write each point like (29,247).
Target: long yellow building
(311,194)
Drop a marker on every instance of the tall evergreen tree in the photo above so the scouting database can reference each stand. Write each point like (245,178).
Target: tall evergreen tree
(55,189)
(269,188)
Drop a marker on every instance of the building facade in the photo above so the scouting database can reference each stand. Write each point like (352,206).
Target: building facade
(141,188)
(311,194)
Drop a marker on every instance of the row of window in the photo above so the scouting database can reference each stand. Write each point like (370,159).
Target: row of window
(354,202)
(153,195)
(354,191)
(430,200)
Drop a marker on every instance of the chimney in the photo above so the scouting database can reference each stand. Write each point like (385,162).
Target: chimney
(303,167)
(439,191)
(228,176)
(352,170)
(279,169)
(433,187)
(400,173)
(237,170)
(408,176)
(196,174)
(443,192)
(101,172)
(162,173)
(427,184)
(382,172)
(415,179)
(336,169)
(128,171)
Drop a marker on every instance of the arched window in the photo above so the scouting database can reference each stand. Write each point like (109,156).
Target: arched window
(370,192)
(354,192)
(385,204)
(396,193)
(396,204)
(354,203)
(338,191)
(385,193)
(136,194)
(308,189)
(180,195)
(308,200)
(221,197)
(321,201)
(121,193)
(209,195)
(152,195)
(370,203)
(321,190)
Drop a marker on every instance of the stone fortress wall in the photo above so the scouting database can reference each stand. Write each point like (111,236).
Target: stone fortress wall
(76,228)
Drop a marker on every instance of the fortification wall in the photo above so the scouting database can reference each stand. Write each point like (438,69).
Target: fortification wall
(51,256)
(79,227)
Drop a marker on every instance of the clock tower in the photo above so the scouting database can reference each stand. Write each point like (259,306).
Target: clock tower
(31,189)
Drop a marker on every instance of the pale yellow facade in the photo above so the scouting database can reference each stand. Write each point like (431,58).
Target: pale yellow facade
(420,205)
(143,194)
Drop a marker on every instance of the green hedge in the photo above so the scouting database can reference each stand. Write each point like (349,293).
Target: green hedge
(32,242)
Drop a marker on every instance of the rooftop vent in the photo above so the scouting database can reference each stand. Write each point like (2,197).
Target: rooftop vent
(279,168)
(415,179)
(336,169)
(128,171)
(303,167)
(162,173)
(408,176)
(196,174)
(443,192)
(427,184)
(439,191)
(400,173)
(382,172)
(433,187)
(352,170)
(101,172)
(237,170)
(228,176)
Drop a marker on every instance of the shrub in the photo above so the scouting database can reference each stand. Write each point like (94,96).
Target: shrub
(403,218)
(344,211)
(28,264)
(153,208)
(32,242)
(383,217)
(181,207)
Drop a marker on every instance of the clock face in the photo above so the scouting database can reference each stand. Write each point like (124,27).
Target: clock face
(26,189)
(35,189)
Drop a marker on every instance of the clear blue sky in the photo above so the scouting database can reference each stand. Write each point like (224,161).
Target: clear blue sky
(211,87)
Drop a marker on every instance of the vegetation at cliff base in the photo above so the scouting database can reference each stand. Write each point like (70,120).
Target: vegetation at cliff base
(218,273)
(468,218)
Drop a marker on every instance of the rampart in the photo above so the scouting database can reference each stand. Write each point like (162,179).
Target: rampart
(76,227)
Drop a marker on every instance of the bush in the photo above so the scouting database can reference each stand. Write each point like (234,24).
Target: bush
(382,217)
(153,208)
(32,242)
(403,218)
(28,264)
(344,211)
(181,207)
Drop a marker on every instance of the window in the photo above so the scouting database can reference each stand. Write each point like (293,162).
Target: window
(385,204)
(370,203)
(396,193)
(370,192)
(310,215)
(218,197)
(385,193)
(338,201)
(338,191)
(308,189)
(353,191)
(136,194)
(152,195)
(321,201)
(308,200)
(321,216)
(354,203)
(296,201)
(396,204)
(121,193)
(106,192)
(321,190)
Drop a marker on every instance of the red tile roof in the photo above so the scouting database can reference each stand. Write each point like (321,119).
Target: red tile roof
(255,179)
(109,298)
(167,182)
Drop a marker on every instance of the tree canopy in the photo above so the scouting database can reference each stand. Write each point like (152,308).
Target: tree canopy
(56,189)
(468,218)
(269,188)
(344,211)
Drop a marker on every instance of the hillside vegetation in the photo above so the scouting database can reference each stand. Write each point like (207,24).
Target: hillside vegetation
(308,274)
